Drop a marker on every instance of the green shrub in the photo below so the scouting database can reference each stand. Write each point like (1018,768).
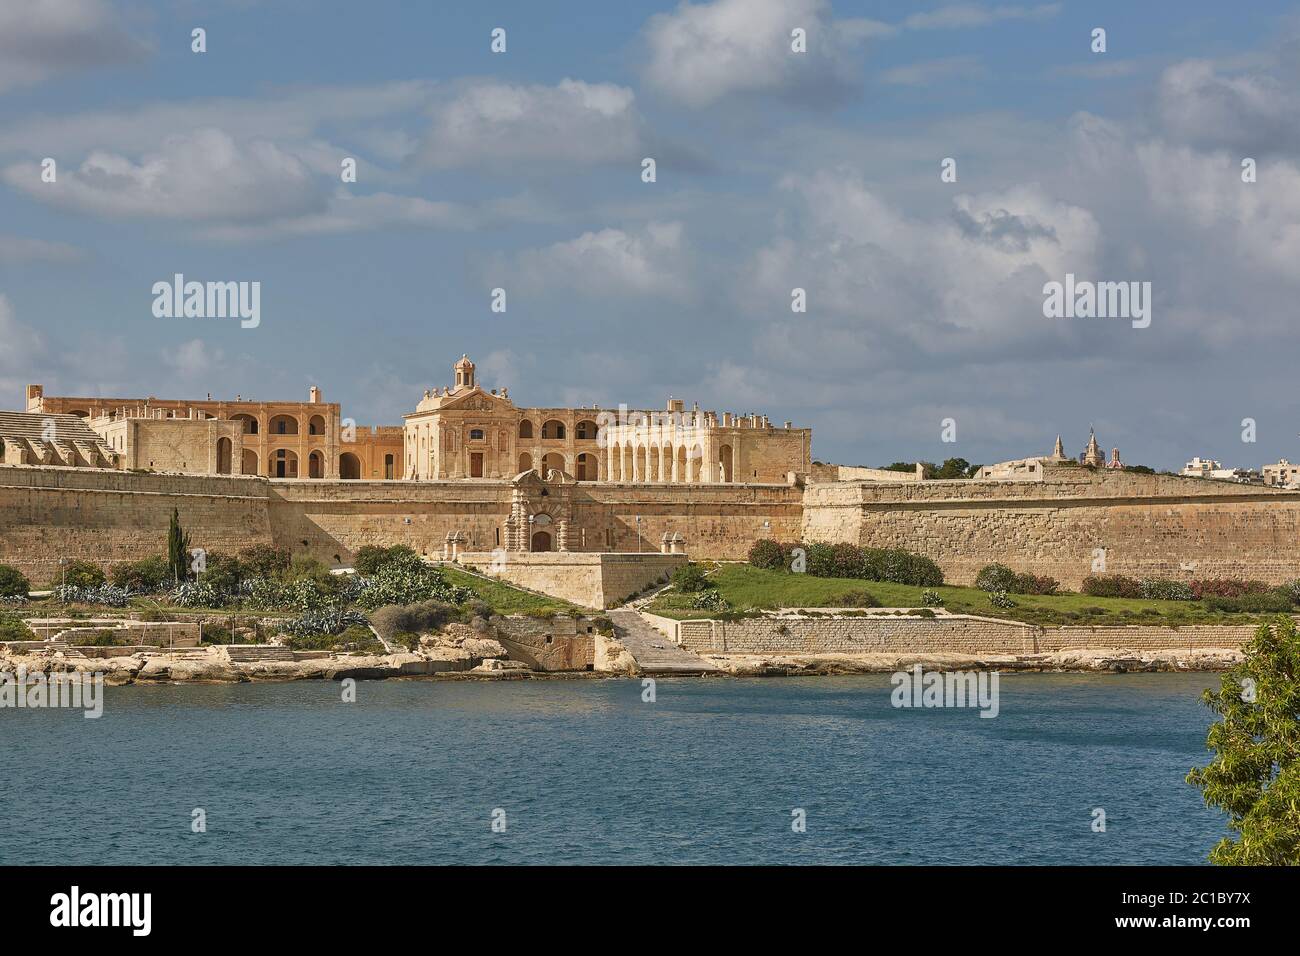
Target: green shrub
(425,617)
(856,598)
(13,628)
(146,576)
(931,598)
(223,573)
(1111,585)
(264,561)
(995,577)
(13,583)
(690,578)
(79,574)
(372,557)
(820,558)
(1000,599)
(767,554)
(1277,601)
(1035,584)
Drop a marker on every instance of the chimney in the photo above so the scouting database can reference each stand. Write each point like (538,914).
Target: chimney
(313,395)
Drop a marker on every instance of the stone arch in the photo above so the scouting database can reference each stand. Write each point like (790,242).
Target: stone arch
(349,466)
(693,462)
(316,465)
(525,462)
(587,468)
(284,463)
(553,428)
(639,463)
(679,472)
(585,430)
(283,425)
(541,541)
(552,460)
(725,471)
(316,426)
(525,429)
(248,462)
(247,422)
(225,451)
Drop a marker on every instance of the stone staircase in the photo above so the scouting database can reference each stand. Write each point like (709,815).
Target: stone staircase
(253,653)
(654,653)
(55,440)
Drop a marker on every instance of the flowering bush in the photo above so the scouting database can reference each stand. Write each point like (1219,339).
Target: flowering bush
(766,554)
(995,577)
(1226,587)
(931,598)
(1001,599)
(1160,589)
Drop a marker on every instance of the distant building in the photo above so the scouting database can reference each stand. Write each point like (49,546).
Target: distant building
(1200,468)
(1282,475)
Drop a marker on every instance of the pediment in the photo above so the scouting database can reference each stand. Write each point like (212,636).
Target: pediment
(477,400)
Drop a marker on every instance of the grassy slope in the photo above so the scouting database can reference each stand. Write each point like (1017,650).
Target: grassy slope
(746,588)
(510,600)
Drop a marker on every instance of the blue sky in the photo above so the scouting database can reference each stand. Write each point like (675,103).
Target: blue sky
(522,171)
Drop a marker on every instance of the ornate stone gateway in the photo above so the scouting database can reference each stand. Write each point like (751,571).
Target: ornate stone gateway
(540,511)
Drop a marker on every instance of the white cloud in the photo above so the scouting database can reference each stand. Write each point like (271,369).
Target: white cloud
(194,361)
(701,53)
(42,38)
(966,283)
(500,124)
(652,261)
(204,175)
(1256,110)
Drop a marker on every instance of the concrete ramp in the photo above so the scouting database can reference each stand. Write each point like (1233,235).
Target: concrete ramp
(654,653)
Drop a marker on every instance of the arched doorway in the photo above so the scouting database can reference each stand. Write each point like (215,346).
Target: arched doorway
(525,462)
(724,464)
(316,465)
(284,464)
(586,468)
(224,454)
(248,462)
(349,466)
(541,541)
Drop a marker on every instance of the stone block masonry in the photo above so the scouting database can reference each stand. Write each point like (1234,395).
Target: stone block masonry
(591,580)
(1058,524)
(1141,525)
(950,634)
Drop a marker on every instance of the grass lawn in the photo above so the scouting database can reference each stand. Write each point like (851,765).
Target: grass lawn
(751,589)
(510,600)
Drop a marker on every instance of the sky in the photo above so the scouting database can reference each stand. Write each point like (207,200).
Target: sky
(775,170)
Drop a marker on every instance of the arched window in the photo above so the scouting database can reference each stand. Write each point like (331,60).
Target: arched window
(349,466)
(585,430)
(248,422)
(316,426)
(554,428)
(525,429)
(284,425)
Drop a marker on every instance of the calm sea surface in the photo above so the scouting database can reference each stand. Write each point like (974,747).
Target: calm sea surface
(585,772)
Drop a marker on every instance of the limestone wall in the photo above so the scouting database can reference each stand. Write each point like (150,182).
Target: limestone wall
(591,580)
(1146,525)
(954,634)
(109,516)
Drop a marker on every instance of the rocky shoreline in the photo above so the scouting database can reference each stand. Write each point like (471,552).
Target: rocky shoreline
(486,660)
